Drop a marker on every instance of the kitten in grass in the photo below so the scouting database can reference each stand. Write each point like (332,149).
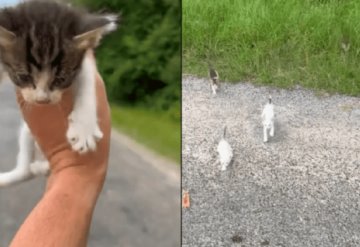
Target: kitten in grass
(268,119)
(214,79)
(43,49)
(225,152)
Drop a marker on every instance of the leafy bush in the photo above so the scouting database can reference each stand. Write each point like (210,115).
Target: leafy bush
(140,62)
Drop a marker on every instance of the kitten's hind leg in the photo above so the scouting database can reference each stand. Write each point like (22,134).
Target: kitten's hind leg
(213,87)
(265,134)
(272,129)
(22,170)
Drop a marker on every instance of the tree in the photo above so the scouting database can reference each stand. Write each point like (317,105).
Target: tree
(140,62)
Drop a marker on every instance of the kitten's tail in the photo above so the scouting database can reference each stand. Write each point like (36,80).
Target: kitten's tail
(224,132)
(270,99)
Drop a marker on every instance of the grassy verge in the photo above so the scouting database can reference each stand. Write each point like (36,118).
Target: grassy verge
(313,43)
(155,130)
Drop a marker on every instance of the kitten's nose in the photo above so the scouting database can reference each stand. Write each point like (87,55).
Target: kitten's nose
(42,97)
(43,101)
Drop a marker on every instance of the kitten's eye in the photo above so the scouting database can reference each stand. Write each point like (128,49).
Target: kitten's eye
(57,59)
(24,78)
(58,81)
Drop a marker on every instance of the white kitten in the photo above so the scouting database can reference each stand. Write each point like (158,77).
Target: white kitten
(225,152)
(268,119)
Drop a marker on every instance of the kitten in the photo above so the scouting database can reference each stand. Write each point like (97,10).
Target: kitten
(45,48)
(268,119)
(225,152)
(214,79)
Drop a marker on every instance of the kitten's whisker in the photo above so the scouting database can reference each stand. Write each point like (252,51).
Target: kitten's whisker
(26,106)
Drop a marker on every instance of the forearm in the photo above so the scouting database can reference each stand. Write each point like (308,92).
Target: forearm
(63,215)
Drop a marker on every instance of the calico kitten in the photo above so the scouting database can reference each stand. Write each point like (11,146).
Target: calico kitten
(44,48)
(268,119)
(225,152)
(214,79)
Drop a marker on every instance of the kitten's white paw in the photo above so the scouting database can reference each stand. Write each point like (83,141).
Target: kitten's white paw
(223,168)
(272,133)
(83,134)
(214,90)
(40,168)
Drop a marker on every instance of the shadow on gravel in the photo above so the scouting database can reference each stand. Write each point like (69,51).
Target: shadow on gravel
(280,135)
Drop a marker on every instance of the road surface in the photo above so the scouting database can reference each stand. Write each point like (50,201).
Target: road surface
(139,205)
(302,189)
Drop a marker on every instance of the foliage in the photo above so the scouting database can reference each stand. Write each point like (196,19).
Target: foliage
(141,124)
(314,43)
(140,62)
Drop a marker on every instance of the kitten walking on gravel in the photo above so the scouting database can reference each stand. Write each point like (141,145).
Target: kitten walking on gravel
(46,47)
(225,152)
(214,79)
(268,119)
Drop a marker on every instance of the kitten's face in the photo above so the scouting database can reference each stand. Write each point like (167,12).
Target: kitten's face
(41,76)
(42,44)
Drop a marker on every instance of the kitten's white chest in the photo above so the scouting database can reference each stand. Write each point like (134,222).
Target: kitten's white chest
(268,120)
(268,113)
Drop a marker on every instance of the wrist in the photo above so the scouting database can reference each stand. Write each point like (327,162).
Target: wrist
(63,215)
(76,186)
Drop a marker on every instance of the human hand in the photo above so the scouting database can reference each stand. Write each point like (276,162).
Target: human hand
(48,123)
(63,215)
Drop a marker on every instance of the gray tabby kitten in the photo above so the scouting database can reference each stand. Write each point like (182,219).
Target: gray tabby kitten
(44,48)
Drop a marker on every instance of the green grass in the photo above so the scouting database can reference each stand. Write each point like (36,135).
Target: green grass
(155,130)
(275,42)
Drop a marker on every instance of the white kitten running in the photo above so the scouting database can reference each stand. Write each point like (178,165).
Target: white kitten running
(225,152)
(268,119)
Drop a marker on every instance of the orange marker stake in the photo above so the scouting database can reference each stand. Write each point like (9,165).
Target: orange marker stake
(186,199)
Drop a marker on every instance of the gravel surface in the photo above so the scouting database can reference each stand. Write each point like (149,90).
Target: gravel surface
(300,189)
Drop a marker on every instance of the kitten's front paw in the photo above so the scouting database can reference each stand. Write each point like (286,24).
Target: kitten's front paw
(271,133)
(82,134)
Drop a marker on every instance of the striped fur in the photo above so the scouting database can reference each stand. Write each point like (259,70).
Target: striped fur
(42,45)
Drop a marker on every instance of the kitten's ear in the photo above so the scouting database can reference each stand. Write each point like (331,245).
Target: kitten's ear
(96,28)
(7,37)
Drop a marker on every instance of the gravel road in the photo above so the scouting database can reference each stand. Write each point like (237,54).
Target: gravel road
(300,189)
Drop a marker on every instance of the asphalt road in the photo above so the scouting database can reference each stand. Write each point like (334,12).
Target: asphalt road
(139,205)
(302,189)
